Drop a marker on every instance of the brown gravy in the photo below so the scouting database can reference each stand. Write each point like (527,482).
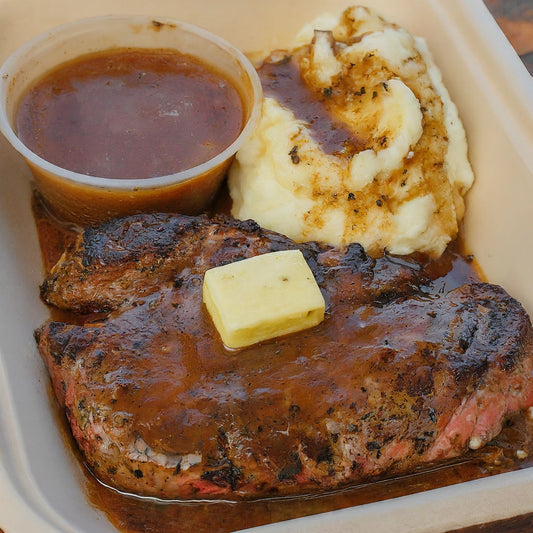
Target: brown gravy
(282,80)
(130,114)
(132,514)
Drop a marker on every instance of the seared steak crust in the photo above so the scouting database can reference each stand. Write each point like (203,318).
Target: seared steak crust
(394,377)
(118,261)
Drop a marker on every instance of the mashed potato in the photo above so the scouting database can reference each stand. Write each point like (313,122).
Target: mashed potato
(397,178)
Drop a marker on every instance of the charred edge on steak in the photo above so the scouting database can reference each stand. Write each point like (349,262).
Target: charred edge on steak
(103,242)
(123,253)
(68,342)
(224,474)
(471,342)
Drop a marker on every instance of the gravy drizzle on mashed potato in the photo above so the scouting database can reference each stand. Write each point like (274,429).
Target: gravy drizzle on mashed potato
(397,183)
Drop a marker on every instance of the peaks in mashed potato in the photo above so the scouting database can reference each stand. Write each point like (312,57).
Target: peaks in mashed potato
(358,142)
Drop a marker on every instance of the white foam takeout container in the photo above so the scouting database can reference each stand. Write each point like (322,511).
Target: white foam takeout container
(41,484)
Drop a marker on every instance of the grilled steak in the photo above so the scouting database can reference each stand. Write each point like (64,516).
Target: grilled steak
(397,375)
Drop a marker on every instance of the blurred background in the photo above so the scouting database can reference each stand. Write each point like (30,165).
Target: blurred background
(515,18)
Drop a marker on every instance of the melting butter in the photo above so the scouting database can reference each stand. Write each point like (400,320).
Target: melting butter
(262,297)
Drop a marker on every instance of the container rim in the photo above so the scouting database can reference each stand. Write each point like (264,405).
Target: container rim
(10,66)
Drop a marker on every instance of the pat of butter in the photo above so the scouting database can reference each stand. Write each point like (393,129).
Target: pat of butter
(262,297)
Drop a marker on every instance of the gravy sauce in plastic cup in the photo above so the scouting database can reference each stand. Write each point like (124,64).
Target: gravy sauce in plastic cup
(87,198)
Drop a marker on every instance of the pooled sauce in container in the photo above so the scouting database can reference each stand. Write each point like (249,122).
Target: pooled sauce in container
(130,113)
